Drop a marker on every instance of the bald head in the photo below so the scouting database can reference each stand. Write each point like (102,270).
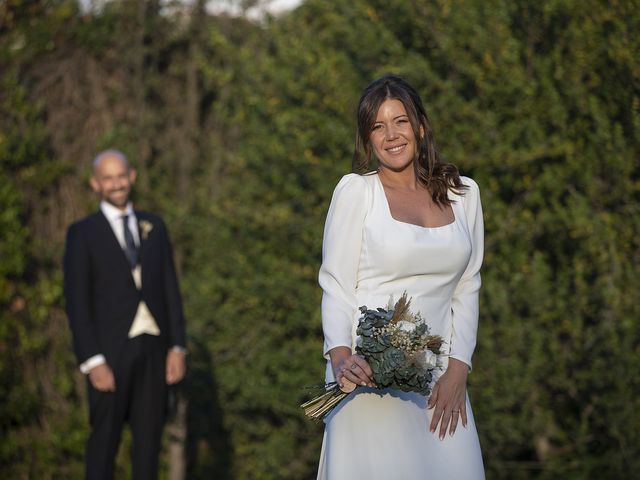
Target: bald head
(111,153)
(113,178)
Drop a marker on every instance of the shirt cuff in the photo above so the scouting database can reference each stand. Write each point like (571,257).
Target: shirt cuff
(92,362)
(179,349)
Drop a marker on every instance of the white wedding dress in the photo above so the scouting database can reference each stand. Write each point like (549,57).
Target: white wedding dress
(368,256)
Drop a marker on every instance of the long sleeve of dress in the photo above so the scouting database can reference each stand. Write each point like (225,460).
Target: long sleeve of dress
(341,246)
(465,302)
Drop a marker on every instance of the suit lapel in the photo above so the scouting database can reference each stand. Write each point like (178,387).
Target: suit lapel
(144,229)
(112,247)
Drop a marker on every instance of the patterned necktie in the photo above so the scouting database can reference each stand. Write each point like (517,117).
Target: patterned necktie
(130,249)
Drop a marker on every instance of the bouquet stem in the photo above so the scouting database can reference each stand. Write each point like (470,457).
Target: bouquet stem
(319,407)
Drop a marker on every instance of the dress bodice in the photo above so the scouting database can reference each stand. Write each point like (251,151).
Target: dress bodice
(370,258)
(426,262)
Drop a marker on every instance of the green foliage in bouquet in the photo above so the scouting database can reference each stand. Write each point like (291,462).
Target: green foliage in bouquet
(397,345)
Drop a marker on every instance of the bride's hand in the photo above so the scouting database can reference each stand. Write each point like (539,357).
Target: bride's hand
(350,370)
(347,386)
(449,399)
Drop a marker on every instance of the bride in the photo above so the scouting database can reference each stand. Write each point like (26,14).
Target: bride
(411,224)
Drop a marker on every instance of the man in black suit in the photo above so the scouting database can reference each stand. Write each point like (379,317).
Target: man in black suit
(125,313)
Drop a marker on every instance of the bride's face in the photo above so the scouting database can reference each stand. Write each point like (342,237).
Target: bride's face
(392,137)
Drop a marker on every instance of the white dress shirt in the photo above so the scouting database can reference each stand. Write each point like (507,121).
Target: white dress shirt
(114,216)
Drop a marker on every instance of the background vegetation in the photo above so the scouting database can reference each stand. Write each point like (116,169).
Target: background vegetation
(240,130)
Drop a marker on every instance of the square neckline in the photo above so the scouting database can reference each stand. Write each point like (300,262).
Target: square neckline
(388,209)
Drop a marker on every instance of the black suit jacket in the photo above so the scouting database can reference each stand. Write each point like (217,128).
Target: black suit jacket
(101,296)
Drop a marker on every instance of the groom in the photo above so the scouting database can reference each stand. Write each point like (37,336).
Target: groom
(125,314)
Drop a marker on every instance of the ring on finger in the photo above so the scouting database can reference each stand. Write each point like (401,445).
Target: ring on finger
(354,366)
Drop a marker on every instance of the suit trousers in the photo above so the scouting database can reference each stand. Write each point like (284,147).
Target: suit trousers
(140,400)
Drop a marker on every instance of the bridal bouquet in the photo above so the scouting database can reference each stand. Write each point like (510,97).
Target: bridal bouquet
(397,345)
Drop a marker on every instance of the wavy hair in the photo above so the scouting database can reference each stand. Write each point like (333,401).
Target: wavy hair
(438,177)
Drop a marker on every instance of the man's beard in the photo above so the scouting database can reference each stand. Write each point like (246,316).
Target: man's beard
(117,202)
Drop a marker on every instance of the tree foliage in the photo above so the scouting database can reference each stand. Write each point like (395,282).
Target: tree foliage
(240,130)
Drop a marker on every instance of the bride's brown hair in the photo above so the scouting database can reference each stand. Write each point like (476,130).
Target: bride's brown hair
(437,176)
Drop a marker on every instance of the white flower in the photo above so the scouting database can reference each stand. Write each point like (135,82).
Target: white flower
(145,228)
(405,326)
(427,359)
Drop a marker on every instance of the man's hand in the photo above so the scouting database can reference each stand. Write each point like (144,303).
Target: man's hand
(176,367)
(101,377)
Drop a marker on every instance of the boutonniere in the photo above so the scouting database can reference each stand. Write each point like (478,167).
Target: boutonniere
(145,228)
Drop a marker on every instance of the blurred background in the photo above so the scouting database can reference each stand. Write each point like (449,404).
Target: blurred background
(239,116)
